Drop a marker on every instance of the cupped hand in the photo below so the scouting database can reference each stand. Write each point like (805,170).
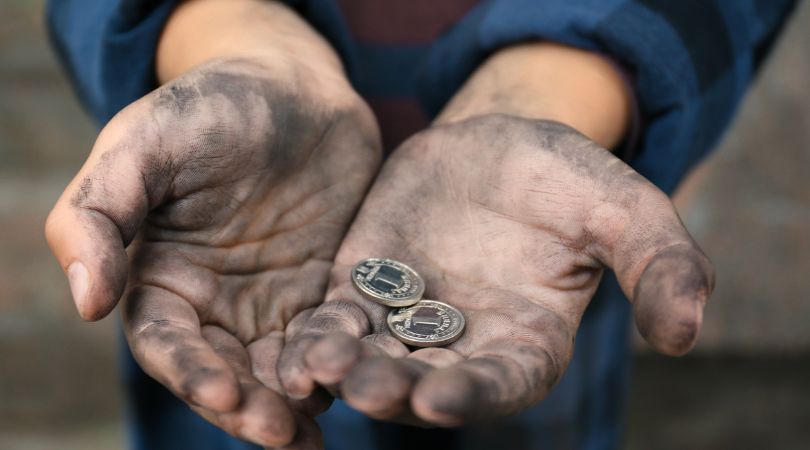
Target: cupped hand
(235,184)
(513,222)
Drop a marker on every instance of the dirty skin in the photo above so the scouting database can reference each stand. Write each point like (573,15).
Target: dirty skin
(513,221)
(244,186)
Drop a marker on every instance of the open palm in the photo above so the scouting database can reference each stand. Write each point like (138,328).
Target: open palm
(236,186)
(513,222)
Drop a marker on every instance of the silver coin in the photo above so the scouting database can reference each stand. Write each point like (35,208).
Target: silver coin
(388,282)
(426,324)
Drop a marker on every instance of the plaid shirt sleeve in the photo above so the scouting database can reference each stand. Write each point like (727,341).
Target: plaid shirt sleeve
(690,61)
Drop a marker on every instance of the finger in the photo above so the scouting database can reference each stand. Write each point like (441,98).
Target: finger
(297,323)
(436,357)
(331,358)
(163,332)
(263,416)
(308,436)
(343,318)
(98,215)
(660,268)
(500,379)
(264,354)
(380,387)
(332,316)
(389,398)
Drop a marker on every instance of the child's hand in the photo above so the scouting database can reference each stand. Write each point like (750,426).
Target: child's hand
(513,222)
(235,185)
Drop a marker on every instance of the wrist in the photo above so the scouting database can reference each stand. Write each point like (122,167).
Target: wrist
(548,81)
(265,32)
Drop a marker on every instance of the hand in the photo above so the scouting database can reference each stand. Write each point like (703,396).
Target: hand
(513,222)
(235,184)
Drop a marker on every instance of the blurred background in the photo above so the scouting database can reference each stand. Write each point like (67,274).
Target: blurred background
(746,385)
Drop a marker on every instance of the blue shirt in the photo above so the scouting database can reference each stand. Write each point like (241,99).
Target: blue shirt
(690,62)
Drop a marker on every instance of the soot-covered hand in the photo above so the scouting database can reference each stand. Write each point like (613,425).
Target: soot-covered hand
(513,222)
(214,206)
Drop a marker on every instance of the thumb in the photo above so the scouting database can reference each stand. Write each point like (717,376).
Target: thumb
(661,269)
(98,215)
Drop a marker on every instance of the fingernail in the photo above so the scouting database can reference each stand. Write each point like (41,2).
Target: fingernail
(79,279)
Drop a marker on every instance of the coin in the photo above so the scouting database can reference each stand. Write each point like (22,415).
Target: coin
(428,323)
(388,282)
